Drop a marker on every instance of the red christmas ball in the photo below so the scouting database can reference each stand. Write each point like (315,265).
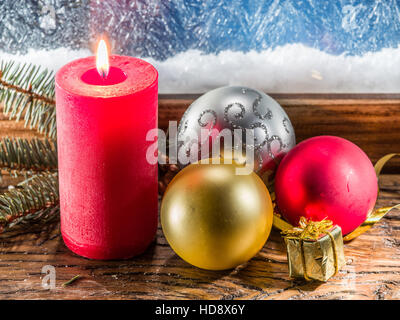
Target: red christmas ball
(326,177)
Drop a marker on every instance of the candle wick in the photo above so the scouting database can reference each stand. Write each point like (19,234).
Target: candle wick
(104,74)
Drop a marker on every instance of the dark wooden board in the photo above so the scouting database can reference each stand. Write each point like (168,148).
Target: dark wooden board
(373,259)
(370,121)
(372,270)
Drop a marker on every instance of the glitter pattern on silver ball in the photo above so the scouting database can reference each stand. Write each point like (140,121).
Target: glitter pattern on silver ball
(239,107)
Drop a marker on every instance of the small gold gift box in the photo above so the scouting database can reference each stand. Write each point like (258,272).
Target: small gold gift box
(314,250)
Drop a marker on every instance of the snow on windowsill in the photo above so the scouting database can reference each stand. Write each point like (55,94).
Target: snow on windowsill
(290,68)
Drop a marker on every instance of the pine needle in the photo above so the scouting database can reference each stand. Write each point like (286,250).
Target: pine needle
(33,200)
(23,156)
(69,282)
(28,91)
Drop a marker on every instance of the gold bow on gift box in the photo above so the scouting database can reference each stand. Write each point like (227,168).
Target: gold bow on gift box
(314,249)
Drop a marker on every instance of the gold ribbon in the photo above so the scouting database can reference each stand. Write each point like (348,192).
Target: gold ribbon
(311,230)
(308,229)
(375,216)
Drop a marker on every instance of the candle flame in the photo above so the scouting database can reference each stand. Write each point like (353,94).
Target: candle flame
(102,64)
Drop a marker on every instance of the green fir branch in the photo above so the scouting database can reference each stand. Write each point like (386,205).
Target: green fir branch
(27,91)
(27,156)
(33,201)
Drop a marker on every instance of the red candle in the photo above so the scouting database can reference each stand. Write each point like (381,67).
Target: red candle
(108,190)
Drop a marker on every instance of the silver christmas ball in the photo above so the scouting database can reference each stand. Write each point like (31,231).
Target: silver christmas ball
(238,108)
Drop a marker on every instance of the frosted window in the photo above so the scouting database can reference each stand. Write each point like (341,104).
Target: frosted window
(274,45)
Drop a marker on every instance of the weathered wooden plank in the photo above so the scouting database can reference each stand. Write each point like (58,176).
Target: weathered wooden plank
(372,270)
(370,121)
(12,128)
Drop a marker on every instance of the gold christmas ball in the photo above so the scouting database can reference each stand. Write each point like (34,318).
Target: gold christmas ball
(214,218)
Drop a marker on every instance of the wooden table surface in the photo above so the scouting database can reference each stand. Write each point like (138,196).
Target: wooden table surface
(373,259)
(372,270)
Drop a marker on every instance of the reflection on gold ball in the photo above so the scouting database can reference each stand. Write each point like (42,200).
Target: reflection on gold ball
(214,218)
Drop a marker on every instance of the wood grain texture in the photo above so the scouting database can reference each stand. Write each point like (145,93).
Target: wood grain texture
(11,128)
(372,270)
(373,259)
(371,121)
